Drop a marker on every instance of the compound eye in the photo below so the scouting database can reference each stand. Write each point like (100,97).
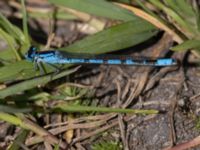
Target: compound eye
(31,52)
(33,48)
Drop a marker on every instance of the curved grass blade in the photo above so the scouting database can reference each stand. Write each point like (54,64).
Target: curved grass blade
(115,38)
(190,44)
(24,123)
(12,29)
(183,7)
(11,42)
(7,57)
(98,7)
(28,84)
(175,16)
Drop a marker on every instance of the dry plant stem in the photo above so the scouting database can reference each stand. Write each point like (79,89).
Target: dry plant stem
(171,120)
(158,76)
(123,132)
(58,130)
(29,125)
(28,8)
(79,146)
(118,93)
(173,106)
(186,145)
(78,85)
(195,97)
(126,89)
(192,84)
(155,102)
(77,126)
(138,88)
(47,146)
(82,119)
(47,136)
(69,134)
(100,130)
(25,123)
(152,20)
(122,72)
(174,80)
(50,39)
(120,116)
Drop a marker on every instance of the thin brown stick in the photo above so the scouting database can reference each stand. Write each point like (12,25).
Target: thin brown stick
(100,130)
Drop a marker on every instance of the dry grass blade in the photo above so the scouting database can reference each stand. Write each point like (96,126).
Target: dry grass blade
(140,13)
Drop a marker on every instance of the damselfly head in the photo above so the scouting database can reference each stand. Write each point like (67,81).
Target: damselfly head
(31,53)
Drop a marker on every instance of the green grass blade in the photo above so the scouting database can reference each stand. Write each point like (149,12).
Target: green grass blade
(11,43)
(7,57)
(10,118)
(190,44)
(28,84)
(84,109)
(185,10)
(98,7)
(14,70)
(115,38)
(21,137)
(12,30)
(185,7)
(9,109)
(176,17)
(198,21)
(25,26)
(172,4)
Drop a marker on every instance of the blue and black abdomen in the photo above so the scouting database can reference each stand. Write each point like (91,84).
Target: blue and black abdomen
(60,57)
(71,58)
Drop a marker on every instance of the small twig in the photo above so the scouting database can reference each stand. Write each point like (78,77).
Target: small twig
(171,120)
(171,113)
(103,129)
(82,119)
(154,102)
(123,132)
(58,130)
(137,90)
(126,89)
(78,85)
(49,40)
(158,76)
(118,93)
(47,136)
(195,97)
